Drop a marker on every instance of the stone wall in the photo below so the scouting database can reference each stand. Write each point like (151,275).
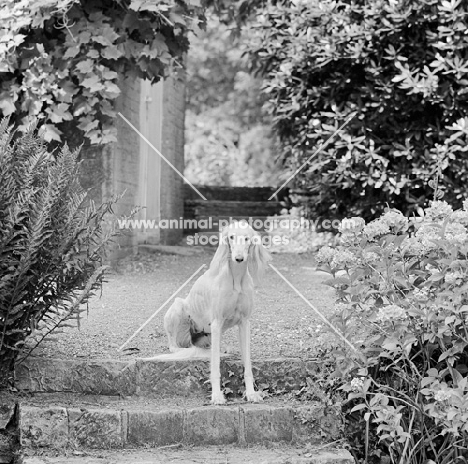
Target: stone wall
(115,169)
(172,193)
(121,162)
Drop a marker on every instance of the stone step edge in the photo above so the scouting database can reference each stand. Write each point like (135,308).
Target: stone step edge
(178,455)
(235,193)
(253,203)
(156,378)
(78,427)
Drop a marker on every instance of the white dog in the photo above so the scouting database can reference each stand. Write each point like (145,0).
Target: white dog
(220,299)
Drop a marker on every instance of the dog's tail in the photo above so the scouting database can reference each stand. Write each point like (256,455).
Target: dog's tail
(194,352)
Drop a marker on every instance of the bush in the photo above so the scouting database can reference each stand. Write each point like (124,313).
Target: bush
(51,242)
(403,301)
(400,66)
(291,232)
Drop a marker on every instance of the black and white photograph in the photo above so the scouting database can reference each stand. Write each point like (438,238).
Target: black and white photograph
(233,232)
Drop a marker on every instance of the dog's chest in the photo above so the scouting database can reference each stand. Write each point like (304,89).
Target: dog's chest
(238,305)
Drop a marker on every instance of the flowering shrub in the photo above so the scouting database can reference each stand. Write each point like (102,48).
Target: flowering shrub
(296,236)
(402,291)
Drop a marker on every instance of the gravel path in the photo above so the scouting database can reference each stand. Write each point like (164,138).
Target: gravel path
(282,324)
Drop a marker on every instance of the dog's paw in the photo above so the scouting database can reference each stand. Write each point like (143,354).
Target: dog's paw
(218,398)
(254,397)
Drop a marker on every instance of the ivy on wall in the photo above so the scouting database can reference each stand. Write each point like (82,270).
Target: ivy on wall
(60,60)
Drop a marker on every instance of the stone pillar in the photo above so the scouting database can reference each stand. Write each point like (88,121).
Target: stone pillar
(113,169)
(172,201)
(121,161)
(132,167)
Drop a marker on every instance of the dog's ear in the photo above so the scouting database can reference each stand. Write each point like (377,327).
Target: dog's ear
(258,258)
(222,253)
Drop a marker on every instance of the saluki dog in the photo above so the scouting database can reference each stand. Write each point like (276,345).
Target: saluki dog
(220,299)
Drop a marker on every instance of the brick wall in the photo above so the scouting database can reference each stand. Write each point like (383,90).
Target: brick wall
(92,173)
(122,161)
(172,194)
(115,168)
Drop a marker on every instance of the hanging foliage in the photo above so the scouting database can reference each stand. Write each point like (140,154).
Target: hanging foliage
(61,60)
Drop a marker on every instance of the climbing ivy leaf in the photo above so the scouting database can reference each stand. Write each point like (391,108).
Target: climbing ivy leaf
(111,53)
(71,52)
(85,66)
(61,60)
(50,132)
(59,113)
(93,82)
(6,105)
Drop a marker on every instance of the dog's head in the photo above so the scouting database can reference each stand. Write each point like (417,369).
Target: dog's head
(239,243)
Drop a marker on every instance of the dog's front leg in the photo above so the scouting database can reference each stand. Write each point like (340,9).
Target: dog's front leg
(244,339)
(217,396)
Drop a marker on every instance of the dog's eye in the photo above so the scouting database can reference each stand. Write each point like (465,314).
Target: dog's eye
(231,237)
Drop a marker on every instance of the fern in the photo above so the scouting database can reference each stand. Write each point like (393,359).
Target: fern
(52,243)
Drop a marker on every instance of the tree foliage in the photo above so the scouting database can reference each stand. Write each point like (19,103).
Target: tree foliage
(51,242)
(229,140)
(60,60)
(401,66)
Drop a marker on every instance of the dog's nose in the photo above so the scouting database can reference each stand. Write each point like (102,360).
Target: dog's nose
(239,259)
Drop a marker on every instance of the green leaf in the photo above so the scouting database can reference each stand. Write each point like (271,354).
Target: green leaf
(88,123)
(93,83)
(137,4)
(436,277)
(358,407)
(59,113)
(132,21)
(391,344)
(93,54)
(457,377)
(71,52)
(177,18)
(85,66)
(111,53)
(110,89)
(7,105)
(108,75)
(106,37)
(50,133)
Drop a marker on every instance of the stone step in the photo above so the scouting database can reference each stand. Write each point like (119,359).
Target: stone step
(158,378)
(227,454)
(234,193)
(77,422)
(215,208)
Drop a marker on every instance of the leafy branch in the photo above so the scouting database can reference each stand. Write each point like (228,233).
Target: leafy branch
(61,64)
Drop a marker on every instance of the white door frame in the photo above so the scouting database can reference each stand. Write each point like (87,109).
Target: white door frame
(149,191)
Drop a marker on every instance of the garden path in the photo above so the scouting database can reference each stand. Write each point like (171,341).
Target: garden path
(282,324)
